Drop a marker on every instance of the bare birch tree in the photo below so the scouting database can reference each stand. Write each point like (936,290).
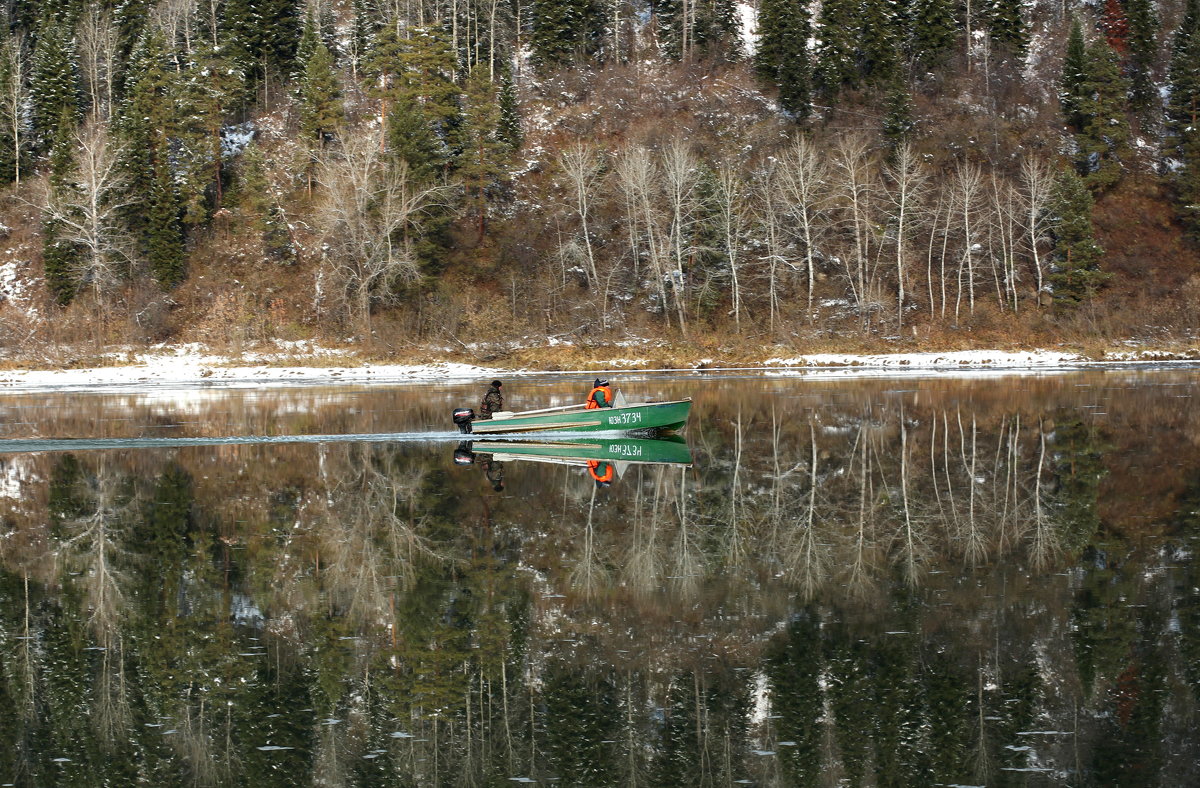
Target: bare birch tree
(582,166)
(731,215)
(369,213)
(967,187)
(856,189)
(908,179)
(13,97)
(96,34)
(637,179)
(681,175)
(804,179)
(1036,184)
(89,214)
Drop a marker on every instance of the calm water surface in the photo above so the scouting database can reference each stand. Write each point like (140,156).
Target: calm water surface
(923,581)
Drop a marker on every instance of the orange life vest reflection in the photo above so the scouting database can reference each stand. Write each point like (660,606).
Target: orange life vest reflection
(600,471)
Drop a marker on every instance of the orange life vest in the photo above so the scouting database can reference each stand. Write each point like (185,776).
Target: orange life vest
(608,471)
(592,404)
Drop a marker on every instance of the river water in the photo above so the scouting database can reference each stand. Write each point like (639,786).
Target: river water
(861,581)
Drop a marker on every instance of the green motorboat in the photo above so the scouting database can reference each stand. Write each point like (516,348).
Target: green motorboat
(668,451)
(657,417)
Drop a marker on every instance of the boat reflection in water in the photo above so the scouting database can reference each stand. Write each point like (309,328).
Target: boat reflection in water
(604,459)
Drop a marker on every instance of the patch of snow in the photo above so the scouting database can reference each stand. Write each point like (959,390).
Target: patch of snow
(748,25)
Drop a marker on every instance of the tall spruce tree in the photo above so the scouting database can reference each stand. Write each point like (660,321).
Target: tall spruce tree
(428,79)
(54,88)
(207,94)
(933,31)
(898,121)
(836,60)
(479,164)
(147,127)
(1104,131)
(1073,76)
(1183,116)
(1075,275)
(782,57)
(260,36)
(60,255)
(320,97)
(1006,26)
(879,43)
(564,30)
(1143,53)
(510,132)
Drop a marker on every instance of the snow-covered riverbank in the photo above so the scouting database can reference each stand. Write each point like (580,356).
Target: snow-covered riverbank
(191,366)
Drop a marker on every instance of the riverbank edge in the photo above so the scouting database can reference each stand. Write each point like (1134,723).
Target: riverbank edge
(310,365)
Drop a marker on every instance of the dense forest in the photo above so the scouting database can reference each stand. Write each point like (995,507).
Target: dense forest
(481,177)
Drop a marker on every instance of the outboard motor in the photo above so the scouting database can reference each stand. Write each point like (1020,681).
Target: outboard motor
(463,418)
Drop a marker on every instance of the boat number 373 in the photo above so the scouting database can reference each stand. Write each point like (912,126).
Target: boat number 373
(625,418)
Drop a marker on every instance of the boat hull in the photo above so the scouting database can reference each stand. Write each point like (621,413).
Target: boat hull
(638,417)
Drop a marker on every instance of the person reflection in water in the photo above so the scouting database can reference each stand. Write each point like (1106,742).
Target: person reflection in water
(601,472)
(493,470)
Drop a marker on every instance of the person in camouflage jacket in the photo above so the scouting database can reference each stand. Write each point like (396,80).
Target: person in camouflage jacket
(493,401)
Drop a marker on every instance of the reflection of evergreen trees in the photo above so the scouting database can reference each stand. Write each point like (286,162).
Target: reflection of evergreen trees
(383,621)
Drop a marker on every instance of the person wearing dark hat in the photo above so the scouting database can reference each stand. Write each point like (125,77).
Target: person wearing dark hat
(493,401)
(600,396)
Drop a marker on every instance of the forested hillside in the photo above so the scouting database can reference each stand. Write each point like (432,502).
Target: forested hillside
(487,176)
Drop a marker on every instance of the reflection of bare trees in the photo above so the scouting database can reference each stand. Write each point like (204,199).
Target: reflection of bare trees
(89,549)
(889,489)
(368,529)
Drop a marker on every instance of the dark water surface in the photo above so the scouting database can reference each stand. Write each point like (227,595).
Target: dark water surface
(922,581)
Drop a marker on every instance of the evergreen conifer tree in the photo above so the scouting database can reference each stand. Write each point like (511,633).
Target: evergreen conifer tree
(898,122)
(379,68)
(717,28)
(510,132)
(934,31)
(60,256)
(320,97)
(878,44)
(1006,25)
(1104,132)
(479,164)
(147,125)
(1076,273)
(1143,52)
(260,36)
(307,44)
(54,78)
(836,65)
(207,94)
(410,138)
(782,57)
(427,78)
(1183,105)
(565,29)
(1073,76)
(1183,116)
